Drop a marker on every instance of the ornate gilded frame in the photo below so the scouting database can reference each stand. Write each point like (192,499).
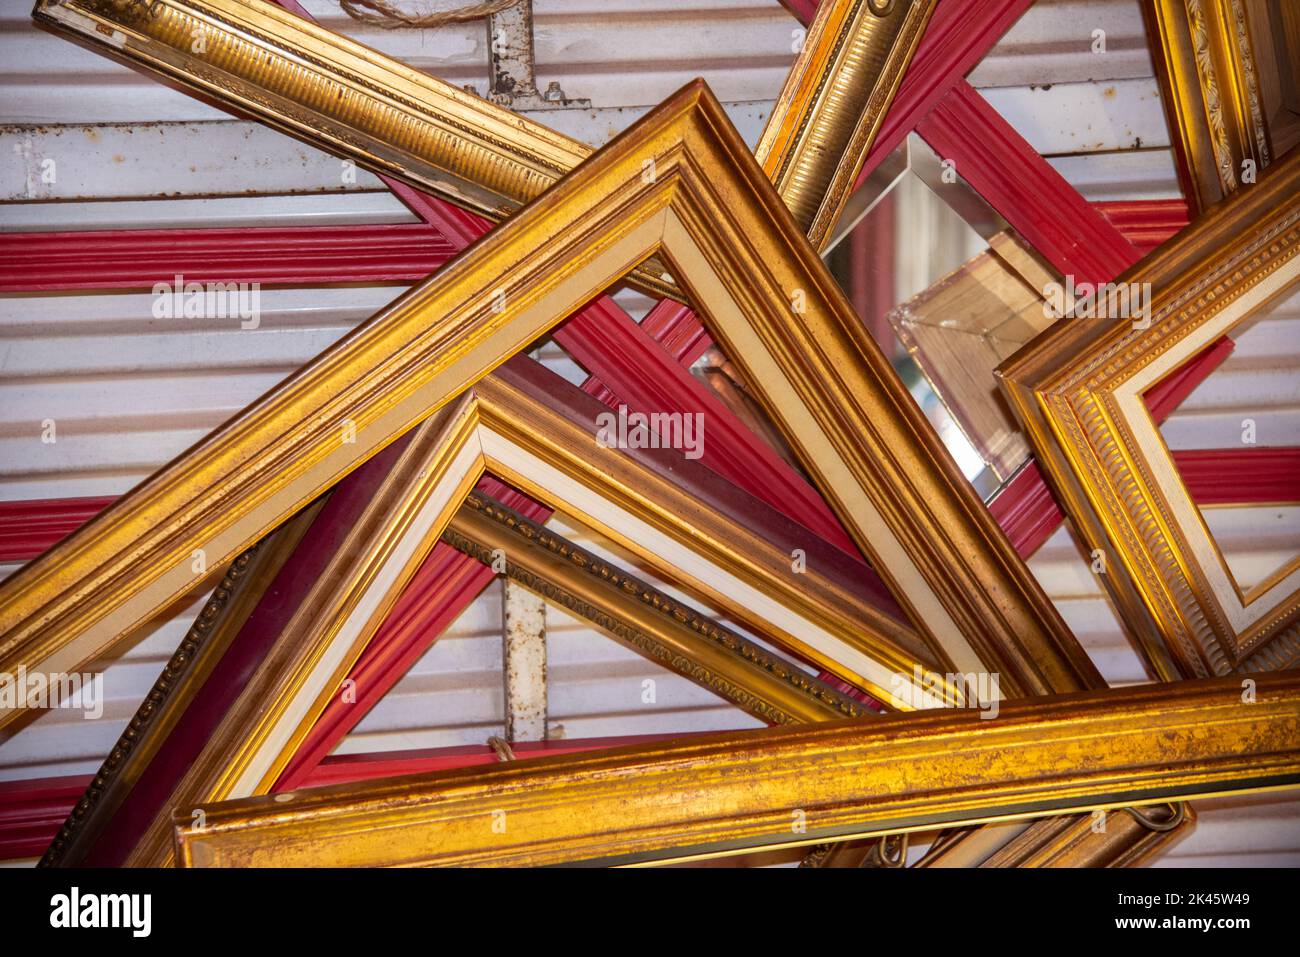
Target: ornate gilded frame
(645,619)
(1078,389)
(680,184)
(674,516)
(782,787)
(263,61)
(833,103)
(1209,69)
(337,94)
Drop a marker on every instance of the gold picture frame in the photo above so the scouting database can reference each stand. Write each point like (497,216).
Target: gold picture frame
(782,787)
(617,603)
(1078,390)
(261,60)
(683,522)
(643,618)
(679,184)
(1224,69)
(834,100)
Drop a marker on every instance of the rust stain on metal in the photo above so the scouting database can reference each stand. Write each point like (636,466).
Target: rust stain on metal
(524,658)
(512,80)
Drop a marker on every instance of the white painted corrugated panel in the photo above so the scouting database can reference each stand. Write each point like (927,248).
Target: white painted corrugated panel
(1066,575)
(66,741)
(453,695)
(595,688)
(617,53)
(101,161)
(127,391)
(319,209)
(1052,42)
(1095,116)
(1259,381)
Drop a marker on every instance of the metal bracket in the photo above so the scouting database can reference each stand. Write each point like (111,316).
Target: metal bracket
(512,82)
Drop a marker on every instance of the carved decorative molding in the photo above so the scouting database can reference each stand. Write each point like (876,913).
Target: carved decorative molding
(578,580)
(1080,391)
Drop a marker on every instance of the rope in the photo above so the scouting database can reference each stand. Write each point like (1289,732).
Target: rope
(390,17)
(502,748)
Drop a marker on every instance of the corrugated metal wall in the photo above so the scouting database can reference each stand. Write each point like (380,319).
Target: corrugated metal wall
(129,392)
(1096,116)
